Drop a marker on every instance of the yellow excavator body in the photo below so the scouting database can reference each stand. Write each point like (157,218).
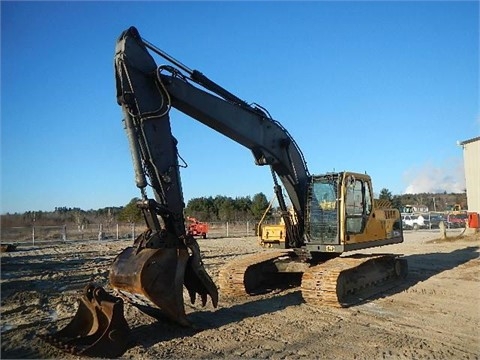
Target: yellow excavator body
(343,217)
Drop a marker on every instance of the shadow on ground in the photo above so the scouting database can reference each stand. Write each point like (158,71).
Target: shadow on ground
(165,330)
(421,268)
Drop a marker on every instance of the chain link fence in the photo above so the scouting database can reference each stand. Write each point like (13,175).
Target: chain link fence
(38,234)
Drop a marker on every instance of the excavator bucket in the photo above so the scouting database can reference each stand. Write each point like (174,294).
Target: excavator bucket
(98,329)
(154,278)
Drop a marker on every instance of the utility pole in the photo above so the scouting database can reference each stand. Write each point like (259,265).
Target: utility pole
(33,229)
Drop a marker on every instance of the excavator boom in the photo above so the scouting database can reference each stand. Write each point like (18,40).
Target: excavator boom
(194,94)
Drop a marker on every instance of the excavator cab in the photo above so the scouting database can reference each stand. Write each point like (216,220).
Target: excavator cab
(342,215)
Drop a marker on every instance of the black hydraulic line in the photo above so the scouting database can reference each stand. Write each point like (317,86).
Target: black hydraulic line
(197,76)
(167,57)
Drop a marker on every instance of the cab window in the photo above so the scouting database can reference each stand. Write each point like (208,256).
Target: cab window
(358,205)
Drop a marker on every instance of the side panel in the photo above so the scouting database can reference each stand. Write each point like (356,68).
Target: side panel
(273,236)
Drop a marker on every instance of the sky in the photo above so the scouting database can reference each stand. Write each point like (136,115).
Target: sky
(387,88)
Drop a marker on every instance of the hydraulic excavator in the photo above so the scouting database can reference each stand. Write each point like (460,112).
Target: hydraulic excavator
(333,214)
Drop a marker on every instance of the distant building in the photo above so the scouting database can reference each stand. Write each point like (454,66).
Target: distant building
(410,209)
(471,159)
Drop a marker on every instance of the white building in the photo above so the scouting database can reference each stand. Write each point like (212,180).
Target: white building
(471,159)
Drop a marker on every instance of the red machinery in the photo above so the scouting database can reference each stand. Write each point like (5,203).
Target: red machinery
(197,228)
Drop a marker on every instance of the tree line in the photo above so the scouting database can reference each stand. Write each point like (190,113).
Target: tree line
(218,208)
(434,202)
(210,209)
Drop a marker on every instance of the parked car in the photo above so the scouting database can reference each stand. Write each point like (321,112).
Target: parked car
(414,222)
(457,220)
(435,220)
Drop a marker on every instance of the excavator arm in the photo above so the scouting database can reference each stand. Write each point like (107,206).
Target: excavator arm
(165,257)
(147,92)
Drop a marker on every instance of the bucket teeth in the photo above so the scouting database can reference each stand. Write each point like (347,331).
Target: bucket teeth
(98,328)
(197,280)
(154,278)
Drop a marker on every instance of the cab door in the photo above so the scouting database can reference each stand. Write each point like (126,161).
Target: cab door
(358,204)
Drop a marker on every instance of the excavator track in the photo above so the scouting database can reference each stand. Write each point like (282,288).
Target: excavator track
(345,281)
(338,282)
(245,275)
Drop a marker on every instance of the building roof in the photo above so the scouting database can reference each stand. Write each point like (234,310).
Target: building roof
(469,141)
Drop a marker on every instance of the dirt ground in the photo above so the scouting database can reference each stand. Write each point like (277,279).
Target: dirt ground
(434,314)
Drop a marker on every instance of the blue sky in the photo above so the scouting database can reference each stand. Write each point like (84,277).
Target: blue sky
(382,87)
